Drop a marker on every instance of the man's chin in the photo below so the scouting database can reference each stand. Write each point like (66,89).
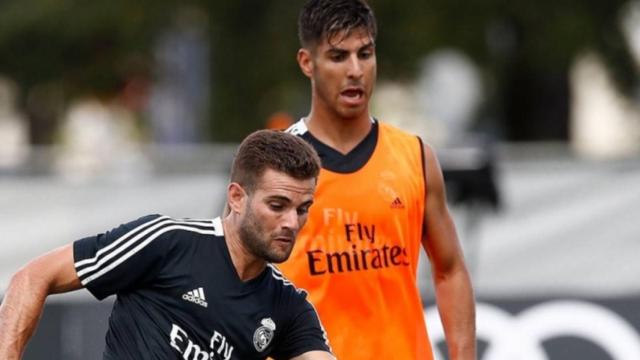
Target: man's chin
(351,113)
(279,258)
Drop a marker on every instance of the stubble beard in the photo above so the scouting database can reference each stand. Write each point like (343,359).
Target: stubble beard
(255,239)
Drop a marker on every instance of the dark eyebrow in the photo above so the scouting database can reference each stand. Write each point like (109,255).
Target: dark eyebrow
(306,203)
(288,201)
(338,50)
(279,197)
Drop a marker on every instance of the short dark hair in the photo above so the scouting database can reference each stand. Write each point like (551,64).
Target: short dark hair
(276,150)
(323,19)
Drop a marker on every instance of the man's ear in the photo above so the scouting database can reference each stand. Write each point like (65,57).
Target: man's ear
(236,197)
(305,62)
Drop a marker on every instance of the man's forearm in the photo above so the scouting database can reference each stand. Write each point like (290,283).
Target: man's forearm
(456,306)
(19,314)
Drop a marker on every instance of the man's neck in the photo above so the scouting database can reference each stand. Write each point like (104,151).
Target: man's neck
(247,265)
(341,134)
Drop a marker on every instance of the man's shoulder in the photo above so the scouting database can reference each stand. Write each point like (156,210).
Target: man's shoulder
(394,129)
(159,221)
(154,226)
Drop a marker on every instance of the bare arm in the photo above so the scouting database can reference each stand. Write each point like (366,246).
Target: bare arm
(23,302)
(315,355)
(454,294)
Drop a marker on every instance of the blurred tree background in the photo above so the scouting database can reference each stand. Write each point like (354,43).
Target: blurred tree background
(57,50)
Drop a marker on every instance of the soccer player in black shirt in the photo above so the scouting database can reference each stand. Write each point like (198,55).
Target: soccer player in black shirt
(194,289)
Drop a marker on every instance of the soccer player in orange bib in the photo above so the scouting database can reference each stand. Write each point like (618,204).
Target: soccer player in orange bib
(380,197)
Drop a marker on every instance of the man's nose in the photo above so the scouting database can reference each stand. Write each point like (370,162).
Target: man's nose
(355,67)
(290,220)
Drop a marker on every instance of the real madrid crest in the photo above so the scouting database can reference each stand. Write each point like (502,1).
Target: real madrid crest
(264,334)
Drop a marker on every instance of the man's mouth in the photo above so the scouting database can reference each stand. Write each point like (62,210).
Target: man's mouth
(353,95)
(285,237)
(352,92)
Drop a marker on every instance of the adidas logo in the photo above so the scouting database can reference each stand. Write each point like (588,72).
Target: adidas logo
(196,296)
(397,204)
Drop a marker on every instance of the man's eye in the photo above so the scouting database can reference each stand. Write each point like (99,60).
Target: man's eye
(303,210)
(337,57)
(276,206)
(366,54)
